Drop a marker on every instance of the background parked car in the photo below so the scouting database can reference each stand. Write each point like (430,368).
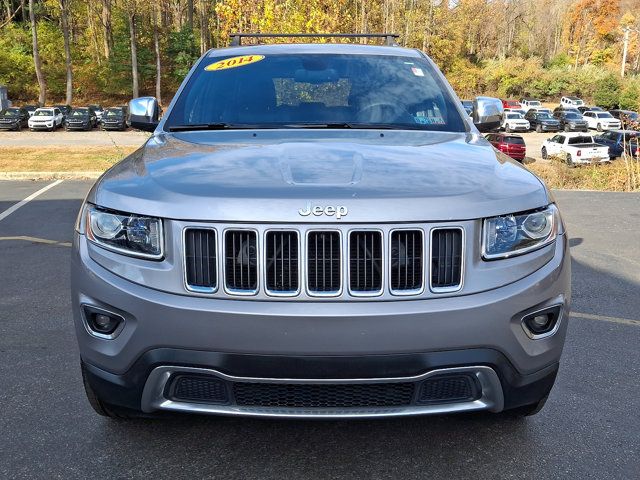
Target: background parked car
(571,102)
(512,145)
(620,141)
(83,118)
(565,108)
(542,121)
(626,116)
(520,111)
(601,120)
(528,103)
(98,110)
(514,122)
(511,104)
(65,109)
(468,106)
(575,148)
(539,110)
(48,118)
(114,118)
(571,121)
(584,108)
(13,118)
(30,108)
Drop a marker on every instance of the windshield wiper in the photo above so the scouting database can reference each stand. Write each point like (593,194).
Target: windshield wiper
(216,126)
(367,126)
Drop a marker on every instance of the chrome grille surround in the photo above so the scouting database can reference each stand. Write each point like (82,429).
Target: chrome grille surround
(264,255)
(259,248)
(383,253)
(453,288)
(425,258)
(304,293)
(199,288)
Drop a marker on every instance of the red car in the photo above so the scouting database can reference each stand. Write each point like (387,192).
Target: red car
(512,145)
(511,104)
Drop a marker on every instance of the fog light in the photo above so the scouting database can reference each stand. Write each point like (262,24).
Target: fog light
(542,323)
(102,323)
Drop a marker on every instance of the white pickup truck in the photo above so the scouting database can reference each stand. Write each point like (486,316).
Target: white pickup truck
(575,148)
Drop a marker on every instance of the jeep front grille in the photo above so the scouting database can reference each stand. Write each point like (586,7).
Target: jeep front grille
(311,262)
(241,261)
(446,259)
(406,261)
(324,276)
(201,266)
(365,262)
(281,262)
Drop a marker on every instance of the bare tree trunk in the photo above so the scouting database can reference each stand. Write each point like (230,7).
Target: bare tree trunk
(134,54)
(64,18)
(204,26)
(190,14)
(107,31)
(156,46)
(23,14)
(42,96)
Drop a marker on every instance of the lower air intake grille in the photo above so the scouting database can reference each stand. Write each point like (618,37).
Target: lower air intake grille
(449,388)
(198,388)
(200,259)
(241,260)
(365,262)
(323,395)
(282,261)
(323,262)
(446,259)
(406,260)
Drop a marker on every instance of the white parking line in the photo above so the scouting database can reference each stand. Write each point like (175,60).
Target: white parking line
(21,203)
(604,318)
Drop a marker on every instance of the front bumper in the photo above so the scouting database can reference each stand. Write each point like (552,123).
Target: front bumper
(77,126)
(113,126)
(550,128)
(348,342)
(41,125)
(9,126)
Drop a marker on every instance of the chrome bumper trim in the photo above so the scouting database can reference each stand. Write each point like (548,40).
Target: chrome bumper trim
(153,396)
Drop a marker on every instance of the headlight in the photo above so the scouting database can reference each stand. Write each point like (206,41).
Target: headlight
(511,235)
(129,234)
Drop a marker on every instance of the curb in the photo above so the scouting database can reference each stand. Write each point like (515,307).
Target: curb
(87,175)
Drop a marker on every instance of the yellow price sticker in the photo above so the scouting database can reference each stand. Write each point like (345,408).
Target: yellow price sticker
(233,62)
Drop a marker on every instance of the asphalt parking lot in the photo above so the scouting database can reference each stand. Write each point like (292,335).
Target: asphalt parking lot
(590,427)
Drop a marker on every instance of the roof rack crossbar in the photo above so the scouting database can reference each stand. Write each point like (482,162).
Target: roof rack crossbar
(390,38)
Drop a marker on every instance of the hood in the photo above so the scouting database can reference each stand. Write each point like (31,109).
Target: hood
(268,175)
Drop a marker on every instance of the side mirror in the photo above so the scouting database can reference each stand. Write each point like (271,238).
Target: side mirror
(143,113)
(487,113)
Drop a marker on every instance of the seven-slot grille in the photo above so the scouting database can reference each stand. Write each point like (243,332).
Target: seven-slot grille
(201,266)
(406,260)
(446,259)
(365,262)
(281,262)
(323,262)
(285,268)
(241,260)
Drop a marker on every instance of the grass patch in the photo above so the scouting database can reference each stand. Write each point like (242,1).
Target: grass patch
(60,159)
(617,176)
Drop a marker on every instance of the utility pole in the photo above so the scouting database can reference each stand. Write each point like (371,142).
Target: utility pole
(625,47)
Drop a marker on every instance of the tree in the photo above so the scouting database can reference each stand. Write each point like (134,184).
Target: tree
(42,96)
(156,47)
(64,20)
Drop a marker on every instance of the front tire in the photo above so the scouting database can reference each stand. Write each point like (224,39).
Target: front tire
(599,127)
(539,128)
(544,153)
(566,128)
(569,161)
(507,129)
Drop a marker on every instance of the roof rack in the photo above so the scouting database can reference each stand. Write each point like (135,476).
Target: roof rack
(390,38)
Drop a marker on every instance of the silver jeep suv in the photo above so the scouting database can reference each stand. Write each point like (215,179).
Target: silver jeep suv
(318,230)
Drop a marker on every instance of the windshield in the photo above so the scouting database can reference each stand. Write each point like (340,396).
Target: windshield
(605,115)
(113,112)
(544,116)
(10,112)
(514,116)
(573,116)
(80,112)
(534,103)
(294,90)
(581,139)
(43,113)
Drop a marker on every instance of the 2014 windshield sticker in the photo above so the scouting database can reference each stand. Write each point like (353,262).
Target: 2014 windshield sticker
(233,62)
